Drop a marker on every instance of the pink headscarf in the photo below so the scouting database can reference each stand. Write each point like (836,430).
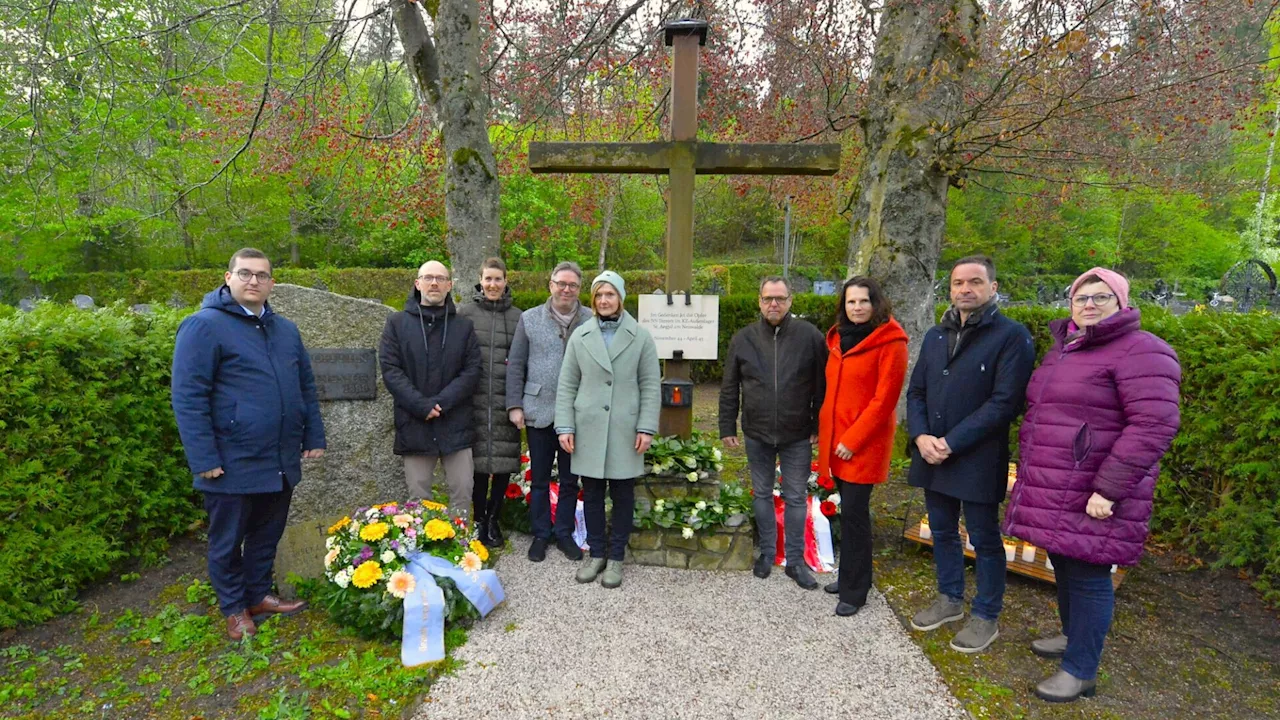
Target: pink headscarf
(1113,279)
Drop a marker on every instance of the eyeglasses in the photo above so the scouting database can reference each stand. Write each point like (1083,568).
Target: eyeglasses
(245,275)
(572,286)
(774,300)
(434,278)
(1099,300)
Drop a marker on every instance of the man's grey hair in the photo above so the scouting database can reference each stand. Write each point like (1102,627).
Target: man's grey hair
(775,279)
(568,265)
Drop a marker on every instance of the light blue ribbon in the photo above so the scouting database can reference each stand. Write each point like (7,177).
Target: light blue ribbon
(424,608)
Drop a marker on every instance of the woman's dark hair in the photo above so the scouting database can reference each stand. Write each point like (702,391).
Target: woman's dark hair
(882,309)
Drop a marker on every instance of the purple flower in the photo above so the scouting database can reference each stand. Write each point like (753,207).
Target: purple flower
(366,552)
(395,544)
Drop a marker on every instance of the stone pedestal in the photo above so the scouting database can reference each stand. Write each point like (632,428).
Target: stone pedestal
(677,487)
(727,548)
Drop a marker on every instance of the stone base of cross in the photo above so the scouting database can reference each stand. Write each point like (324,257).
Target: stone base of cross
(681,158)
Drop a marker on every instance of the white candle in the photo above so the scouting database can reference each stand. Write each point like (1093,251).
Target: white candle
(967,545)
(1010,550)
(1028,553)
(925,532)
(1113,568)
(1047,562)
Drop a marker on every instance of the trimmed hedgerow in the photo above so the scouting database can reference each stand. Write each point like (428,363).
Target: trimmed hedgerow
(91,468)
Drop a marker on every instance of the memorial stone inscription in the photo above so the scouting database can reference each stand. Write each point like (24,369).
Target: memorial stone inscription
(345,373)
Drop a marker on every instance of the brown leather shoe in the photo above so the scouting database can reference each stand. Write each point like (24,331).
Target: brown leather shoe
(272,605)
(240,624)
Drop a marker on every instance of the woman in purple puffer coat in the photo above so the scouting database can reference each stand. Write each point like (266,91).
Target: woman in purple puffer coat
(1102,409)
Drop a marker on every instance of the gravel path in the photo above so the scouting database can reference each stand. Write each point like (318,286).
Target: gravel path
(683,644)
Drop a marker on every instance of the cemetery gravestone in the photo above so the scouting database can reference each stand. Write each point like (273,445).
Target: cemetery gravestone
(84,302)
(26,304)
(359,468)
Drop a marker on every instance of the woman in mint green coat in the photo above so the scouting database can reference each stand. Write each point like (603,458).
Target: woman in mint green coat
(606,416)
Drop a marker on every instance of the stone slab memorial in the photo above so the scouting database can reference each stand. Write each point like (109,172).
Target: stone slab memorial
(358,468)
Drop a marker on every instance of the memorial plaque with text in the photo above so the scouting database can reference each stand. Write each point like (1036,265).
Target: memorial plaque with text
(693,328)
(345,373)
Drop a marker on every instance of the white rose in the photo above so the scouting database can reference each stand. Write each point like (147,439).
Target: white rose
(659,504)
(687,533)
(719,467)
(690,461)
(655,468)
(373,513)
(701,505)
(693,477)
(715,453)
(329,541)
(388,556)
(834,498)
(718,508)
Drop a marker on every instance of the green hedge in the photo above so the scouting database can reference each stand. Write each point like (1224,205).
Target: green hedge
(390,285)
(91,468)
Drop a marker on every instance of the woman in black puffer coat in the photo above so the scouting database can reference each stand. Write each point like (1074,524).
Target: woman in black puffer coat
(497,447)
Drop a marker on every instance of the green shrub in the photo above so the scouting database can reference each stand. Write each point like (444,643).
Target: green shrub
(91,469)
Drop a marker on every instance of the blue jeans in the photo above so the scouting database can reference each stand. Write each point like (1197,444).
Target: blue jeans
(544,449)
(982,521)
(1086,602)
(623,493)
(763,459)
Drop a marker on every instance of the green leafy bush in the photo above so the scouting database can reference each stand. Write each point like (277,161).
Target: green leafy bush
(91,469)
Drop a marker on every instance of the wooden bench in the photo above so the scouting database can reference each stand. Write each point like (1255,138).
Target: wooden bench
(1036,569)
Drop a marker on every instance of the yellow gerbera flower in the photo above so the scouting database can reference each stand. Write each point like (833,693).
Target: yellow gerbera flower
(338,525)
(373,532)
(478,548)
(430,505)
(366,575)
(439,530)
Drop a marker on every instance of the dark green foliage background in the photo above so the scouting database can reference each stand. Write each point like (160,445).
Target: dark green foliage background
(91,468)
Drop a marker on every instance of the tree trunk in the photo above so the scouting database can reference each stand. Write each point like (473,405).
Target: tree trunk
(448,72)
(901,198)
(614,186)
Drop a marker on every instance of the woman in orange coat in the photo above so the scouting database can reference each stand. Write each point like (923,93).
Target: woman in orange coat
(866,366)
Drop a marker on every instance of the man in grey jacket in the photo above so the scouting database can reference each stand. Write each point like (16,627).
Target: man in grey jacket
(533,372)
(777,368)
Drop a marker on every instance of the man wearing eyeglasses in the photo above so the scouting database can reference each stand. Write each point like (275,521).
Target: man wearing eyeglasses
(967,386)
(431,363)
(533,374)
(245,401)
(775,371)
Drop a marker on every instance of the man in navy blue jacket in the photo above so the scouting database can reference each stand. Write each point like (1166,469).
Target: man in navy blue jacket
(245,401)
(968,385)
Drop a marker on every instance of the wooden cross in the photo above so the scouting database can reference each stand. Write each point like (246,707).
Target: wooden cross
(682,157)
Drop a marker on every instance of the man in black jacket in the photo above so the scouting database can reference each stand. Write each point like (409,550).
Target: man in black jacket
(968,385)
(431,364)
(777,368)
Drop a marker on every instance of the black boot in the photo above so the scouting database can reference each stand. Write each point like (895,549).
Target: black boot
(493,536)
(479,510)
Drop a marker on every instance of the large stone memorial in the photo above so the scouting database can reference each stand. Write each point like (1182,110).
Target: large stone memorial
(341,334)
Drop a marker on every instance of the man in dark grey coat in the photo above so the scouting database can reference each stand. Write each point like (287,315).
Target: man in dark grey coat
(968,385)
(533,373)
(496,453)
(430,361)
(777,367)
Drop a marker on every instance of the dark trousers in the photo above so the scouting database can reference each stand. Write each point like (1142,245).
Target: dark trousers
(623,493)
(544,449)
(1086,602)
(982,521)
(487,494)
(243,533)
(855,542)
